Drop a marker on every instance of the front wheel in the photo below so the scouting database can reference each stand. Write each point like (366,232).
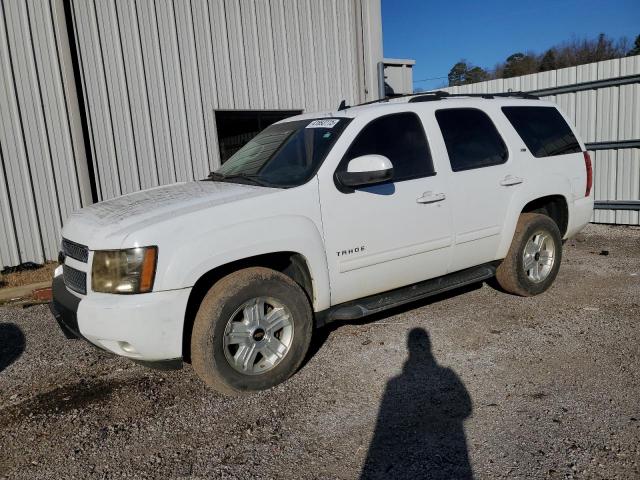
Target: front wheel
(251,332)
(533,260)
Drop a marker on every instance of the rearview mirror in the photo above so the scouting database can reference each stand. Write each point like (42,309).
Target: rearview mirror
(366,170)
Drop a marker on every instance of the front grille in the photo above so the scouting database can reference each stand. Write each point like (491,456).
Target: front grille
(75,279)
(75,250)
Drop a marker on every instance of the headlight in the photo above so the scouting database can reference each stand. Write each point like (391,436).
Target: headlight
(124,271)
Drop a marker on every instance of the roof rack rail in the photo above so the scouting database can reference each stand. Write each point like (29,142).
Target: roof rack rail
(380,100)
(440,94)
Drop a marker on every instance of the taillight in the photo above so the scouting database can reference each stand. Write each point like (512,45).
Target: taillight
(589,168)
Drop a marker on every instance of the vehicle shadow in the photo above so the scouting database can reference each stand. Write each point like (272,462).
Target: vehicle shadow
(419,432)
(12,344)
(321,335)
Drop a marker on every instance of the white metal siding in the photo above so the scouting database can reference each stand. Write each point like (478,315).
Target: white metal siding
(602,114)
(154,72)
(42,179)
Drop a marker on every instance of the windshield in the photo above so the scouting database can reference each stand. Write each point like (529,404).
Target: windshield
(283,155)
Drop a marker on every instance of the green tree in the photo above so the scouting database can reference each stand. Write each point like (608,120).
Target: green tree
(635,50)
(511,68)
(457,74)
(548,61)
(475,75)
(519,64)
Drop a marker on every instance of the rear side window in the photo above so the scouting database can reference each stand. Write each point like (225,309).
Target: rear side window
(471,138)
(399,137)
(543,130)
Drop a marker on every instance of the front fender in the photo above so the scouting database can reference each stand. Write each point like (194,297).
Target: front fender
(287,233)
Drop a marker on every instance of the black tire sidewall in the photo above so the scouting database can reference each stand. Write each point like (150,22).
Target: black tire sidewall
(547,225)
(289,295)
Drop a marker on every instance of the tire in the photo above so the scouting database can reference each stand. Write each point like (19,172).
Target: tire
(229,323)
(513,275)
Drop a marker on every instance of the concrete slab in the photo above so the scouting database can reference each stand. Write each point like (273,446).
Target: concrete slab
(12,293)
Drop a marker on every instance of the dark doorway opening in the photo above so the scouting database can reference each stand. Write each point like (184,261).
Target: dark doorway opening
(237,127)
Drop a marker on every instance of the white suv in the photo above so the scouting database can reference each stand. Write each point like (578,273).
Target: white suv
(323,217)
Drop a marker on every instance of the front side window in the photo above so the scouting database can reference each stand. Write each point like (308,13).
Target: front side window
(471,138)
(543,130)
(283,155)
(399,137)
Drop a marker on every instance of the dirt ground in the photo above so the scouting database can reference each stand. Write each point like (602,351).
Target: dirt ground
(475,383)
(27,277)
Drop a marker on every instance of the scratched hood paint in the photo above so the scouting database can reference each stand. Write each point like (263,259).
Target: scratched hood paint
(107,224)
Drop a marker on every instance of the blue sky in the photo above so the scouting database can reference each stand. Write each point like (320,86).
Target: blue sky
(438,34)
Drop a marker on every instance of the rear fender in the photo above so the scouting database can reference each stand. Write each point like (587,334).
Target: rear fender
(555,185)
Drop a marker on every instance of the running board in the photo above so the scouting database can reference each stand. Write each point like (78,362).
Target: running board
(393,298)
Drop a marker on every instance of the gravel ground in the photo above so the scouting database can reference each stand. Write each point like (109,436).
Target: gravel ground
(477,382)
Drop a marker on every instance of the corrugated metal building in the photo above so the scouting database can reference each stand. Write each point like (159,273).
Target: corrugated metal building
(603,100)
(105,97)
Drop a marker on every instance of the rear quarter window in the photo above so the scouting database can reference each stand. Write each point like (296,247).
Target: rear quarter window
(543,130)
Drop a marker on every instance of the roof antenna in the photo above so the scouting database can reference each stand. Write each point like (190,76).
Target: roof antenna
(343,105)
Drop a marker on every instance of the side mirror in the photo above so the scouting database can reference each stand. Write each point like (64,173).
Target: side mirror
(366,170)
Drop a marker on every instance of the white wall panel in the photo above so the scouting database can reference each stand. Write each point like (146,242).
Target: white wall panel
(605,169)
(154,81)
(36,136)
(628,184)
(151,74)
(268,65)
(42,177)
(284,58)
(136,89)
(189,71)
(154,72)
(294,49)
(206,70)
(235,39)
(117,98)
(221,57)
(309,58)
(174,88)
(318,33)
(96,101)
(19,216)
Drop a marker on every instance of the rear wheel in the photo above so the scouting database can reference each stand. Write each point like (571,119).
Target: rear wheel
(533,260)
(251,332)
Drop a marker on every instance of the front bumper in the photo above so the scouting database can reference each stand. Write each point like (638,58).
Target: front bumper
(64,307)
(146,328)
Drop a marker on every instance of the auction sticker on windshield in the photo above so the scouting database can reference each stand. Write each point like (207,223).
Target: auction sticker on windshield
(328,123)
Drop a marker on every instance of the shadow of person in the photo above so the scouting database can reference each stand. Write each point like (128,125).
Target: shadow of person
(419,432)
(12,344)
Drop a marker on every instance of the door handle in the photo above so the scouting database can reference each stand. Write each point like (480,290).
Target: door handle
(510,180)
(430,197)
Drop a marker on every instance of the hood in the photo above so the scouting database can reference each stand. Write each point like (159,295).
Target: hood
(106,224)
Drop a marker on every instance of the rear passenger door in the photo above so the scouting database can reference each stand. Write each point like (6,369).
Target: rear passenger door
(482,184)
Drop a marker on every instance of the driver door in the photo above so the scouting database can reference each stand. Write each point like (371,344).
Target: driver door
(393,234)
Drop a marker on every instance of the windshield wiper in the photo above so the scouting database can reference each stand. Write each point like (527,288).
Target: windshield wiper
(244,176)
(215,176)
